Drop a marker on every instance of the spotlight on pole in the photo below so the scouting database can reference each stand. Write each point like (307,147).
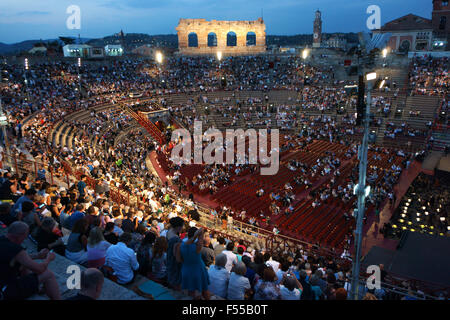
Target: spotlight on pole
(219,55)
(384,52)
(371,76)
(305,53)
(79,62)
(159,57)
(26,64)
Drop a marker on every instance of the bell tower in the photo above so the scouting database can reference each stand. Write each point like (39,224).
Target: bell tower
(317,35)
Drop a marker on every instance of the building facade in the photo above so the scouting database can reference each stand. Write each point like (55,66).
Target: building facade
(200,37)
(414,33)
(336,42)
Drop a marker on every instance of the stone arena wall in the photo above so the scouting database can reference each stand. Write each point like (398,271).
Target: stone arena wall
(203,27)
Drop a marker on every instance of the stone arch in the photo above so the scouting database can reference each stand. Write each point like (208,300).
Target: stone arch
(237,43)
(212,39)
(405,46)
(192,40)
(251,38)
(231,39)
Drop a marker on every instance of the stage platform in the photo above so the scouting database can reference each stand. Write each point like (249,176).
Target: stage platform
(444,164)
(432,161)
(419,256)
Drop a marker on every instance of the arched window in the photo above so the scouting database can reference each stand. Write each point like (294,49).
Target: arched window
(405,46)
(192,40)
(251,38)
(212,39)
(231,39)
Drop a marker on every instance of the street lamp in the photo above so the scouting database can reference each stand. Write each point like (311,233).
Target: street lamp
(305,53)
(219,55)
(371,76)
(384,52)
(159,57)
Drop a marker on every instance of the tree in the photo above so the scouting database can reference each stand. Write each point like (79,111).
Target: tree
(67,40)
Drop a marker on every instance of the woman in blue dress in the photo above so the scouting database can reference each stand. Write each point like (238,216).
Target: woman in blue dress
(194,276)
(173,243)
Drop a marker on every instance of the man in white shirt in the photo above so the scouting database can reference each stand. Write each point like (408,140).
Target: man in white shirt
(271,263)
(122,259)
(231,257)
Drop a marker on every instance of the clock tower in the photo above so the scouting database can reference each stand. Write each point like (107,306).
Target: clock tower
(317,35)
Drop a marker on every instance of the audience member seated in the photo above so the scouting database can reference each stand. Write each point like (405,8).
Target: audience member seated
(20,275)
(122,260)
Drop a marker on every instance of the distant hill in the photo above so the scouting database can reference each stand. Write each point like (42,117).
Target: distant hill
(133,40)
(19,47)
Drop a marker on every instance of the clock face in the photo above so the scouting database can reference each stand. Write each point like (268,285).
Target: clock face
(316,35)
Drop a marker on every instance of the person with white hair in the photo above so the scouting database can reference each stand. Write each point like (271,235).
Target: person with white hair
(219,277)
(238,285)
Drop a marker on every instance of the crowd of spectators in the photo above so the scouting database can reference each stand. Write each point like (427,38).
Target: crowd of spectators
(429,76)
(84,223)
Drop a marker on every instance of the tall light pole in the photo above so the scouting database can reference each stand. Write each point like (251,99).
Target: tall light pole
(384,53)
(361,190)
(159,59)
(26,78)
(305,53)
(79,77)
(219,58)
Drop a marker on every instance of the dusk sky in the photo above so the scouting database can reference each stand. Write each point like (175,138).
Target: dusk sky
(45,19)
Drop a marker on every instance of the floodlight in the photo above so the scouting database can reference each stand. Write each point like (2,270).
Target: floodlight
(371,76)
(159,57)
(305,53)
